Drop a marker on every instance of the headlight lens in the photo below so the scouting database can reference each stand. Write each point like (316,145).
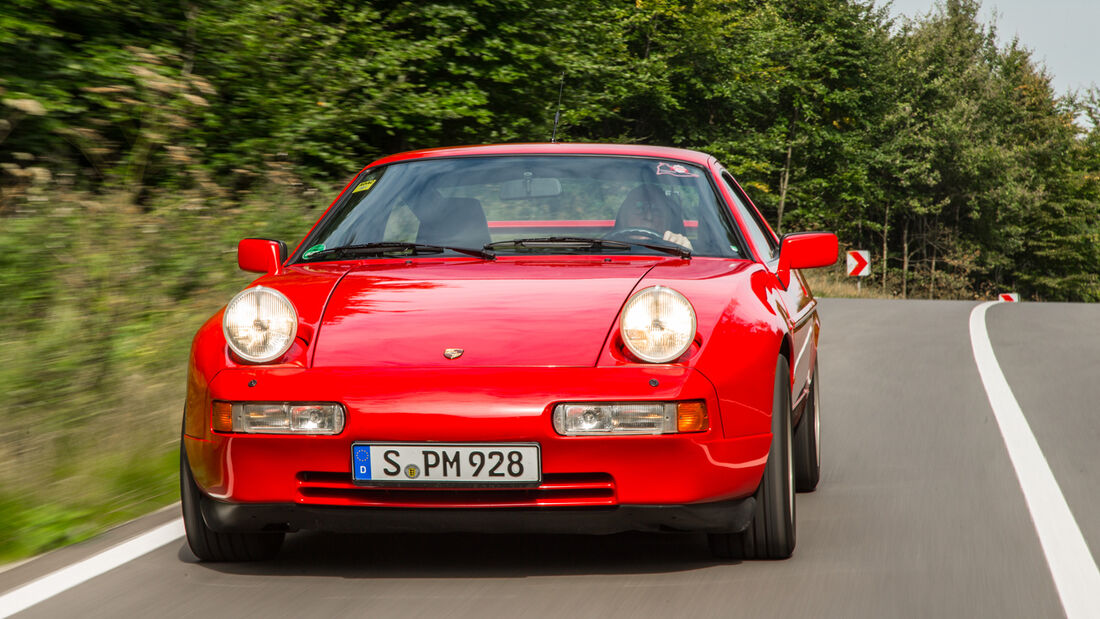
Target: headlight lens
(603,418)
(260,324)
(658,324)
(278,417)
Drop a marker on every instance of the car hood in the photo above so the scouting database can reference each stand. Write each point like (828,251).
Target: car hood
(514,313)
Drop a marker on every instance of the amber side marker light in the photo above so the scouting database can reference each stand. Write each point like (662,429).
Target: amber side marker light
(223,417)
(691,417)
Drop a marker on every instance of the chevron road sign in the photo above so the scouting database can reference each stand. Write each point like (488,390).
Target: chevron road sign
(859,263)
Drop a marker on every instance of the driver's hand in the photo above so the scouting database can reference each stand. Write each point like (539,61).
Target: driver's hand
(679,239)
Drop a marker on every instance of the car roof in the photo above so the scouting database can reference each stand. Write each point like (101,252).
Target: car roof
(556,148)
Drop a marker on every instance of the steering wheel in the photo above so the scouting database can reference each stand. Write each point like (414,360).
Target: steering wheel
(627,233)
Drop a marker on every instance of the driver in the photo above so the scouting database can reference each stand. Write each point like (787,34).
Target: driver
(647,209)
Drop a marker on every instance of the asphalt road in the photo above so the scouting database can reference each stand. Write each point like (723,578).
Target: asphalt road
(919,512)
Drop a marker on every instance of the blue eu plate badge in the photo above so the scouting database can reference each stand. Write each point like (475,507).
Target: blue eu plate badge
(360,462)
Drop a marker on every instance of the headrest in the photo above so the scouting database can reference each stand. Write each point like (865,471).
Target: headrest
(654,195)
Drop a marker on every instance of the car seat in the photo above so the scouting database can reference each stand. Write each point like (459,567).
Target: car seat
(455,222)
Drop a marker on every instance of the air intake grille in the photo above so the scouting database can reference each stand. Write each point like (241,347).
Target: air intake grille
(556,490)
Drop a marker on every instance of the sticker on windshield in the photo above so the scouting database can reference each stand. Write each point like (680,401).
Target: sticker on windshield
(365,185)
(313,251)
(675,169)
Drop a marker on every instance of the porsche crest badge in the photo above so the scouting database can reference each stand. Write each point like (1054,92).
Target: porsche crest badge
(452,353)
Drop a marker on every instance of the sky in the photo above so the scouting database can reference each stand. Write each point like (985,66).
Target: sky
(1061,34)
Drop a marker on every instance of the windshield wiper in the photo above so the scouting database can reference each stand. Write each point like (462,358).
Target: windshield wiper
(579,242)
(582,242)
(390,247)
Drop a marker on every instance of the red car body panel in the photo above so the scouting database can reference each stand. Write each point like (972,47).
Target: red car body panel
(539,331)
(525,312)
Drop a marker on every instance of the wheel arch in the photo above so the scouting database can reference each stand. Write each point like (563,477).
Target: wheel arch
(786,345)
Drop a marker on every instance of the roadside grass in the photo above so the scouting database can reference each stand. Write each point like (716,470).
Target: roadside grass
(100,301)
(120,487)
(834,282)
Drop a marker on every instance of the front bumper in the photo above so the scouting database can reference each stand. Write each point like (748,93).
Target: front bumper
(720,517)
(672,481)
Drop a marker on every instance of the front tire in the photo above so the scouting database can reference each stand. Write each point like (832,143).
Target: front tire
(807,442)
(771,534)
(210,545)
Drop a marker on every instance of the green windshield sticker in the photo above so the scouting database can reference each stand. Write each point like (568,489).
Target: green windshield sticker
(312,251)
(365,185)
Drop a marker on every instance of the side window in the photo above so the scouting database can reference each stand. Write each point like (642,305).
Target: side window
(754,227)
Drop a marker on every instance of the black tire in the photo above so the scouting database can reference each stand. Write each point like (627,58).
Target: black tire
(807,442)
(771,534)
(210,545)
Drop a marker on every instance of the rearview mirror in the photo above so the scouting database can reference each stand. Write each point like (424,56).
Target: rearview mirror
(805,250)
(261,255)
(529,187)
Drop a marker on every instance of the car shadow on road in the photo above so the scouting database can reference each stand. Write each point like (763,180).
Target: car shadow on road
(472,556)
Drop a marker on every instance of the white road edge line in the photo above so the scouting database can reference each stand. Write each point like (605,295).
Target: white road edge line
(44,588)
(1071,564)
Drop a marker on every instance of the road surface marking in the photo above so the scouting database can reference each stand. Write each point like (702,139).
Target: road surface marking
(66,578)
(1071,564)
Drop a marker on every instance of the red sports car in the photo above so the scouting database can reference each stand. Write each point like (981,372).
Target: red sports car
(527,337)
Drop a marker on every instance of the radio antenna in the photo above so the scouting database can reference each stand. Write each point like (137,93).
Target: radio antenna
(557,113)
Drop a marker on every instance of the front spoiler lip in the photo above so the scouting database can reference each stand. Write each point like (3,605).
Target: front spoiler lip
(718,517)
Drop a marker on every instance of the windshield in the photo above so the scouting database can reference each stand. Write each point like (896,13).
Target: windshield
(630,205)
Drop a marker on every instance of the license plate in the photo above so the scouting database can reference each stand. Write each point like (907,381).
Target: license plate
(444,464)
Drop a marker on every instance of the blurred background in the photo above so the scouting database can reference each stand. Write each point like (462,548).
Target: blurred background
(140,139)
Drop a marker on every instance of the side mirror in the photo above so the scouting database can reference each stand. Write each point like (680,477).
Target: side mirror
(805,250)
(261,255)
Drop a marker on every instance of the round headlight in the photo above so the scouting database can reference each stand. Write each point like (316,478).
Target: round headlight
(260,324)
(658,324)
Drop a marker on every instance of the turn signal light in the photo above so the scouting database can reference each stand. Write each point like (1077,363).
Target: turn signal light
(691,417)
(223,417)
